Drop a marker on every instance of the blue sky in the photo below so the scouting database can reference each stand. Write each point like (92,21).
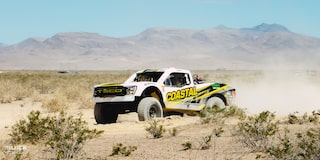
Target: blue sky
(21,19)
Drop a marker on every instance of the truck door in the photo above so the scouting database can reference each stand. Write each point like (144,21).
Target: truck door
(178,87)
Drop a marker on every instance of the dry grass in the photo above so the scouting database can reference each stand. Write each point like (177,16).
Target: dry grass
(55,91)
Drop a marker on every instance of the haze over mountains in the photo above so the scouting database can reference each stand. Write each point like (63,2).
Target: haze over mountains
(266,46)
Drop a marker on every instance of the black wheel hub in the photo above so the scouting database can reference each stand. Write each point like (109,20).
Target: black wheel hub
(152,112)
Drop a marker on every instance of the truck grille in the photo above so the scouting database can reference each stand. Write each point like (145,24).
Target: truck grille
(109,91)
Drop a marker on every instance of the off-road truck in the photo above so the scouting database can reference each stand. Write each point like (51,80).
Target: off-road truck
(155,93)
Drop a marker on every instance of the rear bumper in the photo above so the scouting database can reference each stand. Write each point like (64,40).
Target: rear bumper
(231,97)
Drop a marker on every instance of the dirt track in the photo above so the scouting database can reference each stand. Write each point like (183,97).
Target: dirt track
(131,132)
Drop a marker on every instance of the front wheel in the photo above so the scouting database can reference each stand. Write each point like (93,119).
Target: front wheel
(104,114)
(149,108)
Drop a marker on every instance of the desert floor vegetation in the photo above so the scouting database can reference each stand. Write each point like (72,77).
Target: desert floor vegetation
(54,89)
(250,130)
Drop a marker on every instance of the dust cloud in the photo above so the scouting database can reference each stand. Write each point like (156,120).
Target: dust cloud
(281,92)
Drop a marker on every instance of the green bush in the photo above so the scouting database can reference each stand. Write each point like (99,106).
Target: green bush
(63,134)
(67,135)
(217,131)
(173,132)
(155,129)
(309,144)
(205,142)
(255,131)
(187,145)
(305,145)
(314,118)
(282,150)
(30,131)
(214,115)
(123,150)
(209,114)
(294,118)
(235,111)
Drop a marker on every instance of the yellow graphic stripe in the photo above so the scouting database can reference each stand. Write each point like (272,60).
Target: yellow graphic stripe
(212,92)
(174,103)
(109,85)
(202,92)
(203,88)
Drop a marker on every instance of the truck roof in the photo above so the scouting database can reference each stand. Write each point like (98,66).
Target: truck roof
(171,69)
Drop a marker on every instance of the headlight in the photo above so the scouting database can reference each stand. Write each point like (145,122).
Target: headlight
(131,90)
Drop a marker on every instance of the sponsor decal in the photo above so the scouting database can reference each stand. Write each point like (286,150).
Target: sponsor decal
(181,94)
(109,90)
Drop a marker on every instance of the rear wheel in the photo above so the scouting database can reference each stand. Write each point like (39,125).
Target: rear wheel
(215,103)
(104,114)
(149,108)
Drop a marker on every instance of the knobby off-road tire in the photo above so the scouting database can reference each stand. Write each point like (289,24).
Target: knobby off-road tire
(215,102)
(104,114)
(149,108)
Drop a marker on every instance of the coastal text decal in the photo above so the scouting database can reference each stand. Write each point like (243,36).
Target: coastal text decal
(181,94)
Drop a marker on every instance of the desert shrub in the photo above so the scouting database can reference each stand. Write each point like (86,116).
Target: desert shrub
(284,149)
(209,115)
(294,118)
(256,131)
(68,134)
(314,118)
(205,142)
(123,150)
(187,145)
(217,131)
(155,129)
(63,134)
(305,145)
(30,131)
(234,111)
(309,144)
(173,131)
(217,115)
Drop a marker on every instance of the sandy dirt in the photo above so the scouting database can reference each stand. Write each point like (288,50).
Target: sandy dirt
(131,132)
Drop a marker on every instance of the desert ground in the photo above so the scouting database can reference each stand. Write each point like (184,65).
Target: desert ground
(280,92)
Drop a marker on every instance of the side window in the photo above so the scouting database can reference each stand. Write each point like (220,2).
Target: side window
(167,82)
(177,80)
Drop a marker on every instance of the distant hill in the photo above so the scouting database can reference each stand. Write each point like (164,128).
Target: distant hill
(2,44)
(261,47)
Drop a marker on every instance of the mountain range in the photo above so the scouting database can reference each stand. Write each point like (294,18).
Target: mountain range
(266,46)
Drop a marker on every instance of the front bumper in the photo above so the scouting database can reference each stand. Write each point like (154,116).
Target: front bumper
(127,98)
(119,104)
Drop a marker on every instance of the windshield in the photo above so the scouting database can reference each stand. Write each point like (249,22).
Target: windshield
(147,76)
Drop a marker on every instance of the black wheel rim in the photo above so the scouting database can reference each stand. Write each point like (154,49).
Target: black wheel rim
(152,112)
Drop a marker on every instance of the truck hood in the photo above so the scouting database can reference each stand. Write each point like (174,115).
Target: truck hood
(144,84)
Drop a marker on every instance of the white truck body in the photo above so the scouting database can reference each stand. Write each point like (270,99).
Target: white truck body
(174,89)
